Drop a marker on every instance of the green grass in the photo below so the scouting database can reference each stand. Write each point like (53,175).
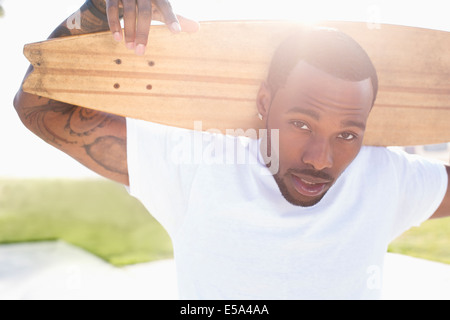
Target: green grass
(430,241)
(96,215)
(100,217)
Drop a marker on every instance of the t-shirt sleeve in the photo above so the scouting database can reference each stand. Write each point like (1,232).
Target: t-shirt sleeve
(422,185)
(158,176)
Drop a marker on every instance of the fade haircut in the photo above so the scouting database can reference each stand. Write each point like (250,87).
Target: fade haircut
(327,49)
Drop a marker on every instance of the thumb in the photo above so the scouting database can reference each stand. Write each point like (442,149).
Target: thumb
(188,25)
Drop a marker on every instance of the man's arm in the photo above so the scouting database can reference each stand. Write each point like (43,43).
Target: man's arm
(444,209)
(96,139)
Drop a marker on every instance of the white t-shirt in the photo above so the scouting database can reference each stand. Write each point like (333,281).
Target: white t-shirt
(236,237)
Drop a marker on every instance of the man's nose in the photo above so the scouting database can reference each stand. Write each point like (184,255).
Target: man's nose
(318,154)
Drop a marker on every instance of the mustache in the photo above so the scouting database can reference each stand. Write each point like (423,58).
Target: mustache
(311,173)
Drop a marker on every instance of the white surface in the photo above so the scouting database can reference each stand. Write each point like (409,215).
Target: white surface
(409,278)
(57,270)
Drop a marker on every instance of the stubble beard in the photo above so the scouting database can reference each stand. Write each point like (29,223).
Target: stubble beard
(290,198)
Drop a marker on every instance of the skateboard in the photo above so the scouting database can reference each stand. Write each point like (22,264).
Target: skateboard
(214,75)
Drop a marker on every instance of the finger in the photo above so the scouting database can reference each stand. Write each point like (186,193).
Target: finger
(129,22)
(112,11)
(168,17)
(188,25)
(144,20)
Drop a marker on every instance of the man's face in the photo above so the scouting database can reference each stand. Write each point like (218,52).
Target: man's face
(321,121)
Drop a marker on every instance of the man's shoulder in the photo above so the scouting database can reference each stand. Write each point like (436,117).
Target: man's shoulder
(371,155)
(379,162)
(395,158)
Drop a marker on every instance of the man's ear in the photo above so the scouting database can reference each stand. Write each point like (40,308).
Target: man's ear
(264,100)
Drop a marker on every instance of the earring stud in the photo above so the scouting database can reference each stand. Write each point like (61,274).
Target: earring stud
(260,116)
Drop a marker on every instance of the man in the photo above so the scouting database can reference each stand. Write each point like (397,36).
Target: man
(317,227)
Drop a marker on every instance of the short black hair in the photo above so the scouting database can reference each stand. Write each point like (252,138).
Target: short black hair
(327,49)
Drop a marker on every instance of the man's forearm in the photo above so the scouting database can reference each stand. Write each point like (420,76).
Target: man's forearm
(96,139)
(90,18)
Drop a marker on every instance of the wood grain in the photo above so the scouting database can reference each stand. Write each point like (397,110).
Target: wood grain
(214,75)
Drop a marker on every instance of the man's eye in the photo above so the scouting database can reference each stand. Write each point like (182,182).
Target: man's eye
(300,125)
(347,136)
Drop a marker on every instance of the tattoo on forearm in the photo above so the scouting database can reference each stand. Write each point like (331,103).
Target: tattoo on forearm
(90,19)
(83,122)
(69,127)
(61,31)
(107,151)
(38,118)
(80,121)
(114,147)
(98,9)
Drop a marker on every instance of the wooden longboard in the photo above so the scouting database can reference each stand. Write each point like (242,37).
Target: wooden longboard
(214,75)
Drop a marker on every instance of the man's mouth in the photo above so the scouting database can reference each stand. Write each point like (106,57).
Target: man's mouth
(309,186)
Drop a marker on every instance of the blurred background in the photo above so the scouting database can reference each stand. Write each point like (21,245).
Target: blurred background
(46,195)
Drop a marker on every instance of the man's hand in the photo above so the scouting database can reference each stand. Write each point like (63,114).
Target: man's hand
(138,15)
